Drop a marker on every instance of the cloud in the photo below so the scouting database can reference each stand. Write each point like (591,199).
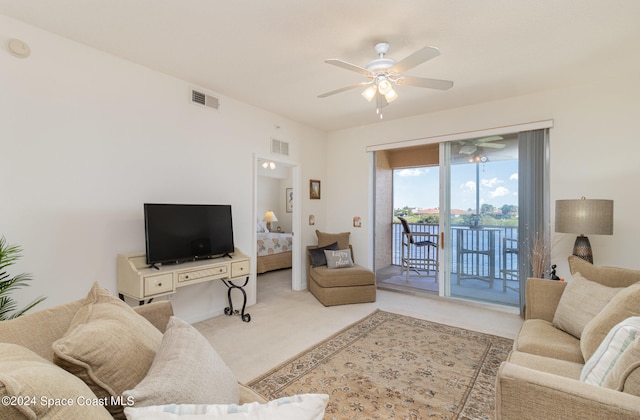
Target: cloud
(469,186)
(489,183)
(499,192)
(513,177)
(412,172)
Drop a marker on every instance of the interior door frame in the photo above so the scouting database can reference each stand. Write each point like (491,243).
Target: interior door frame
(296,218)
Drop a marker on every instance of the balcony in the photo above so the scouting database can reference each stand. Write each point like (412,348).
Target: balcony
(484,264)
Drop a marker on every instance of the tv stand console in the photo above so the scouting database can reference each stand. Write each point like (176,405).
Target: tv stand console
(138,280)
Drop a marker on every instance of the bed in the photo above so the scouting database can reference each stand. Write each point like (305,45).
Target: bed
(274,251)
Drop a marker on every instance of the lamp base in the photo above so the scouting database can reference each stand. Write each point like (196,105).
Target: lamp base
(582,248)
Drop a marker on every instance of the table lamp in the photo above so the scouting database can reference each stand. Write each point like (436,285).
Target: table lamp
(584,217)
(269,217)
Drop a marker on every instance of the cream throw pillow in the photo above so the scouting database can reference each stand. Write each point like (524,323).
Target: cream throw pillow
(33,384)
(108,345)
(296,407)
(623,305)
(186,370)
(580,302)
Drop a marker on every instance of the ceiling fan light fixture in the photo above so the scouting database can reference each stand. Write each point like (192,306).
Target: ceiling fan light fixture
(384,86)
(391,95)
(370,93)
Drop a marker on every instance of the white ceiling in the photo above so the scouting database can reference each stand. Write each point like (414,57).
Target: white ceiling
(271,53)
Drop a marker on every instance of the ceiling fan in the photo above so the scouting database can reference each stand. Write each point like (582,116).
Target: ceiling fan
(470,147)
(384,73)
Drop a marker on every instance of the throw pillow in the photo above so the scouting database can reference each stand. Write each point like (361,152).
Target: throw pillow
(610,276)
(328,238)
(297,407)
(623,305)
(339,259)
(32,387)
(581,300)
(617,356)
(186,370)
(108,345)
(317,254)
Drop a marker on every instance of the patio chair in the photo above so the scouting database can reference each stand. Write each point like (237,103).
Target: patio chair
(419,252)
(509,264)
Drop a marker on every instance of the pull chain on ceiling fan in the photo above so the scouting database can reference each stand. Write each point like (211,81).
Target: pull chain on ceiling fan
(385,73)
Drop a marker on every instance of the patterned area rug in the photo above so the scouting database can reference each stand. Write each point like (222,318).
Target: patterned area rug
(393,366)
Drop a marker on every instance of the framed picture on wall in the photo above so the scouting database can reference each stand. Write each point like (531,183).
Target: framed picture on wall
(289,200)
(314,189)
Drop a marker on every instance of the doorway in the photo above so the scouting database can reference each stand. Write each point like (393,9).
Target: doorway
(277,205)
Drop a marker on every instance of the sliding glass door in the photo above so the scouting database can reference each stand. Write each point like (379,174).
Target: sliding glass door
(481,208)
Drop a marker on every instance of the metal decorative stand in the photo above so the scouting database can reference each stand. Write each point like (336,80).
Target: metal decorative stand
(229,309)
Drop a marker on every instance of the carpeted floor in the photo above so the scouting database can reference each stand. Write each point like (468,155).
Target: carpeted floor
(394,366)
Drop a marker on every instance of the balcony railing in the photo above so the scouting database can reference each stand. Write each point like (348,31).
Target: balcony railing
(473,250)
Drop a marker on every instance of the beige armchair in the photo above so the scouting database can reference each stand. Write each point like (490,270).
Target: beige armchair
(338,286)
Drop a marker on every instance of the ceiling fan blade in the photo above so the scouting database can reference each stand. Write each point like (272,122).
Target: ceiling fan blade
(418,57)
(424,83)
(490,138)
(492,145)
(348,66)
(467,149)
(344,89)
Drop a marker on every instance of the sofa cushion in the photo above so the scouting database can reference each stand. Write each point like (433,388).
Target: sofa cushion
(623,305)
(317,254)
(186,370)
(616,358)
(296,407)
(338,258)
(108,345)
(580,302)
(546,364)
(349,276)
(540,337)
(34,388)
(328,238)
(609,276)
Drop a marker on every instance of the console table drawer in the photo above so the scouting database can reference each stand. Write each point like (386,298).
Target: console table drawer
(154,285)
(217,271)
(240,268)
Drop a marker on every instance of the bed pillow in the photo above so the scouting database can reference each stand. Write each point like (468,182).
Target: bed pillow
(186,370)
(317,254)
(339,259)
(108,345)
(261,227)
(25,375)
(297,407)
(581,301)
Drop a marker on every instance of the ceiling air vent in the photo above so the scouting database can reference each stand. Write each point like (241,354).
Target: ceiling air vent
(203,99)
(280,147)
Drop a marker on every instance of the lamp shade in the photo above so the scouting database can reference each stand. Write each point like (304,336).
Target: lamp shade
(584,216)
(269,217)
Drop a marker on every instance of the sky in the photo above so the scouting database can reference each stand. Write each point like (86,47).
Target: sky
(419,187)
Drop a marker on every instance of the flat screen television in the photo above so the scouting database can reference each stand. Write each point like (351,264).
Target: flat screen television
(177,233)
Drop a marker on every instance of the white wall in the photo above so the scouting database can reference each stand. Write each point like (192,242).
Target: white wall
(87,138)
(593,153)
